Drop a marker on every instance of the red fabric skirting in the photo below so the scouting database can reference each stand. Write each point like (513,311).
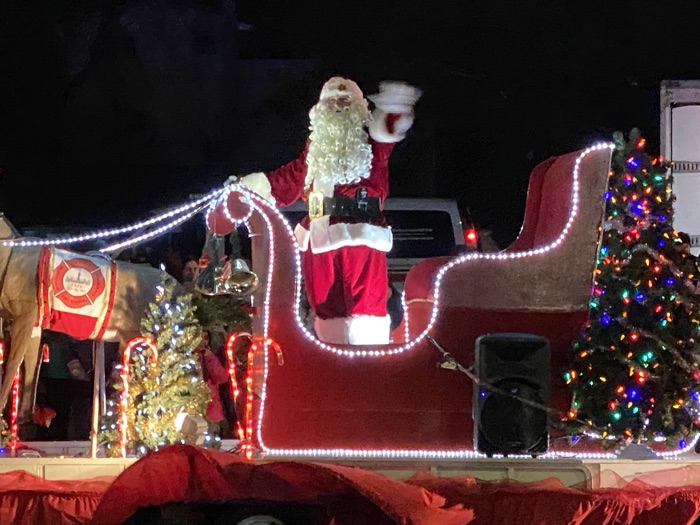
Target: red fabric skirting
(26,499)
(548,502)
(181,473)
(355,496)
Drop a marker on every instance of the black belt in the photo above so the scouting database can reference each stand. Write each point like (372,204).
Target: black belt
(349,207)
(360,207)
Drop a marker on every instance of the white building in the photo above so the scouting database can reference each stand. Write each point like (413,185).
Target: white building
(680,143)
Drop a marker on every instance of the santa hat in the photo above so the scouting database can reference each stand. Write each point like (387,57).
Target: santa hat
(341,87)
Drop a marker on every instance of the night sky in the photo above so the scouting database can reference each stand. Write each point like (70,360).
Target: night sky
(109,110)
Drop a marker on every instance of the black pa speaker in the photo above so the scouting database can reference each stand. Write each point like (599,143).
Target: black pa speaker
(519,365)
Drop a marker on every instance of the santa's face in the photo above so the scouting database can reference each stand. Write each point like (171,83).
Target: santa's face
(341,103)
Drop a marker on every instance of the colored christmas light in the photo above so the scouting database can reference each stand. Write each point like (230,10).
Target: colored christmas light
(14,413)
(643,347)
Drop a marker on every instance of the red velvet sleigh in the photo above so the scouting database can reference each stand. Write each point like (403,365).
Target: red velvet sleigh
(393,401)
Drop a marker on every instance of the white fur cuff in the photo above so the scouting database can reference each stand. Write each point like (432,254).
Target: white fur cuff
(354,330)
(258,183)
(379,130)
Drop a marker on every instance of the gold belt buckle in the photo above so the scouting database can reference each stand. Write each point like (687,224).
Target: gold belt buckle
(315,204)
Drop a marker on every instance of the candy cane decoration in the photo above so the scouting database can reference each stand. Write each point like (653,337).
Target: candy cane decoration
(245,433)
(124,396)
(235,392)
(14,427)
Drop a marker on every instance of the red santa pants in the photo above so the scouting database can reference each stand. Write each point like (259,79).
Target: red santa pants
(348,288)
(347,281)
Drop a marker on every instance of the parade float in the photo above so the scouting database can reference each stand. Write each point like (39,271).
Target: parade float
(561,368)
(311,412)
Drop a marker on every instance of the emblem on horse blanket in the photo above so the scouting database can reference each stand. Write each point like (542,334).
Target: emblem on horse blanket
(75,293)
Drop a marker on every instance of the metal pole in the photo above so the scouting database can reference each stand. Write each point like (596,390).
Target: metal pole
(98,358)
(101,371)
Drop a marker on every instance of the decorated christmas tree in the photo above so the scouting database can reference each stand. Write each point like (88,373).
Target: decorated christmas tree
(163,381)
(635,375)
(223,312)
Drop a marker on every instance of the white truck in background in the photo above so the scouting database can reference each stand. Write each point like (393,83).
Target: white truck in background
(422,228)
(680,143)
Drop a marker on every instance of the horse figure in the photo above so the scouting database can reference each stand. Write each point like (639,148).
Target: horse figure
(135,289)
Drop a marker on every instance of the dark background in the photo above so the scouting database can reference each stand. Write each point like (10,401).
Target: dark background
(111,110)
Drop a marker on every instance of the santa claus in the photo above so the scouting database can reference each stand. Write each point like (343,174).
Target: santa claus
(343,175)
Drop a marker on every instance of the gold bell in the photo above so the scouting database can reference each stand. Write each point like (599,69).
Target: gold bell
(237,279)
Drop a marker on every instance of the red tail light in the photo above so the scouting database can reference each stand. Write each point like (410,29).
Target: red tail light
(471,236)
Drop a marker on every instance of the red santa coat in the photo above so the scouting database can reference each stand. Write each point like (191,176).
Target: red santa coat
(344,258)
(285,185)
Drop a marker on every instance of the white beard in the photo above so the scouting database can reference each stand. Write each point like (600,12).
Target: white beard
(339,150)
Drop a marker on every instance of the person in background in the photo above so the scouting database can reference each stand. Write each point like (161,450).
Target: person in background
(214,375)
(66,387)
(189,274)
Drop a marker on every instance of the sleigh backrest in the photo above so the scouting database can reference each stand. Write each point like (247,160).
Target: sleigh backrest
(550,265)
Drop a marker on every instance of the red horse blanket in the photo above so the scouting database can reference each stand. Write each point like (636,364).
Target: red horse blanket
(76,293)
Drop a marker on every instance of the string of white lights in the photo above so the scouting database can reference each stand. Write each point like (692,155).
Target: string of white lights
(673,454)
(350,453)
(345,351)
(263,207)
(266,320)
(112,232)
(406,453)
(244,199)
(404,309)
(154,233)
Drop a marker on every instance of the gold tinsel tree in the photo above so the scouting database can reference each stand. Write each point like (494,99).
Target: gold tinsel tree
(160,389)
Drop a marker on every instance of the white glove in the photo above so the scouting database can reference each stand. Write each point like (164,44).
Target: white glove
(396,97)
(256,182)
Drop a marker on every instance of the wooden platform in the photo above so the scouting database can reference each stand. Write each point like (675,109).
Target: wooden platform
(70,461)
(585,473)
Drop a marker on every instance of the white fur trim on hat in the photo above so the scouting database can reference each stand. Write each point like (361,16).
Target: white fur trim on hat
(324,237)
(379,130)
(341,87)
(260,184)
(354,330)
